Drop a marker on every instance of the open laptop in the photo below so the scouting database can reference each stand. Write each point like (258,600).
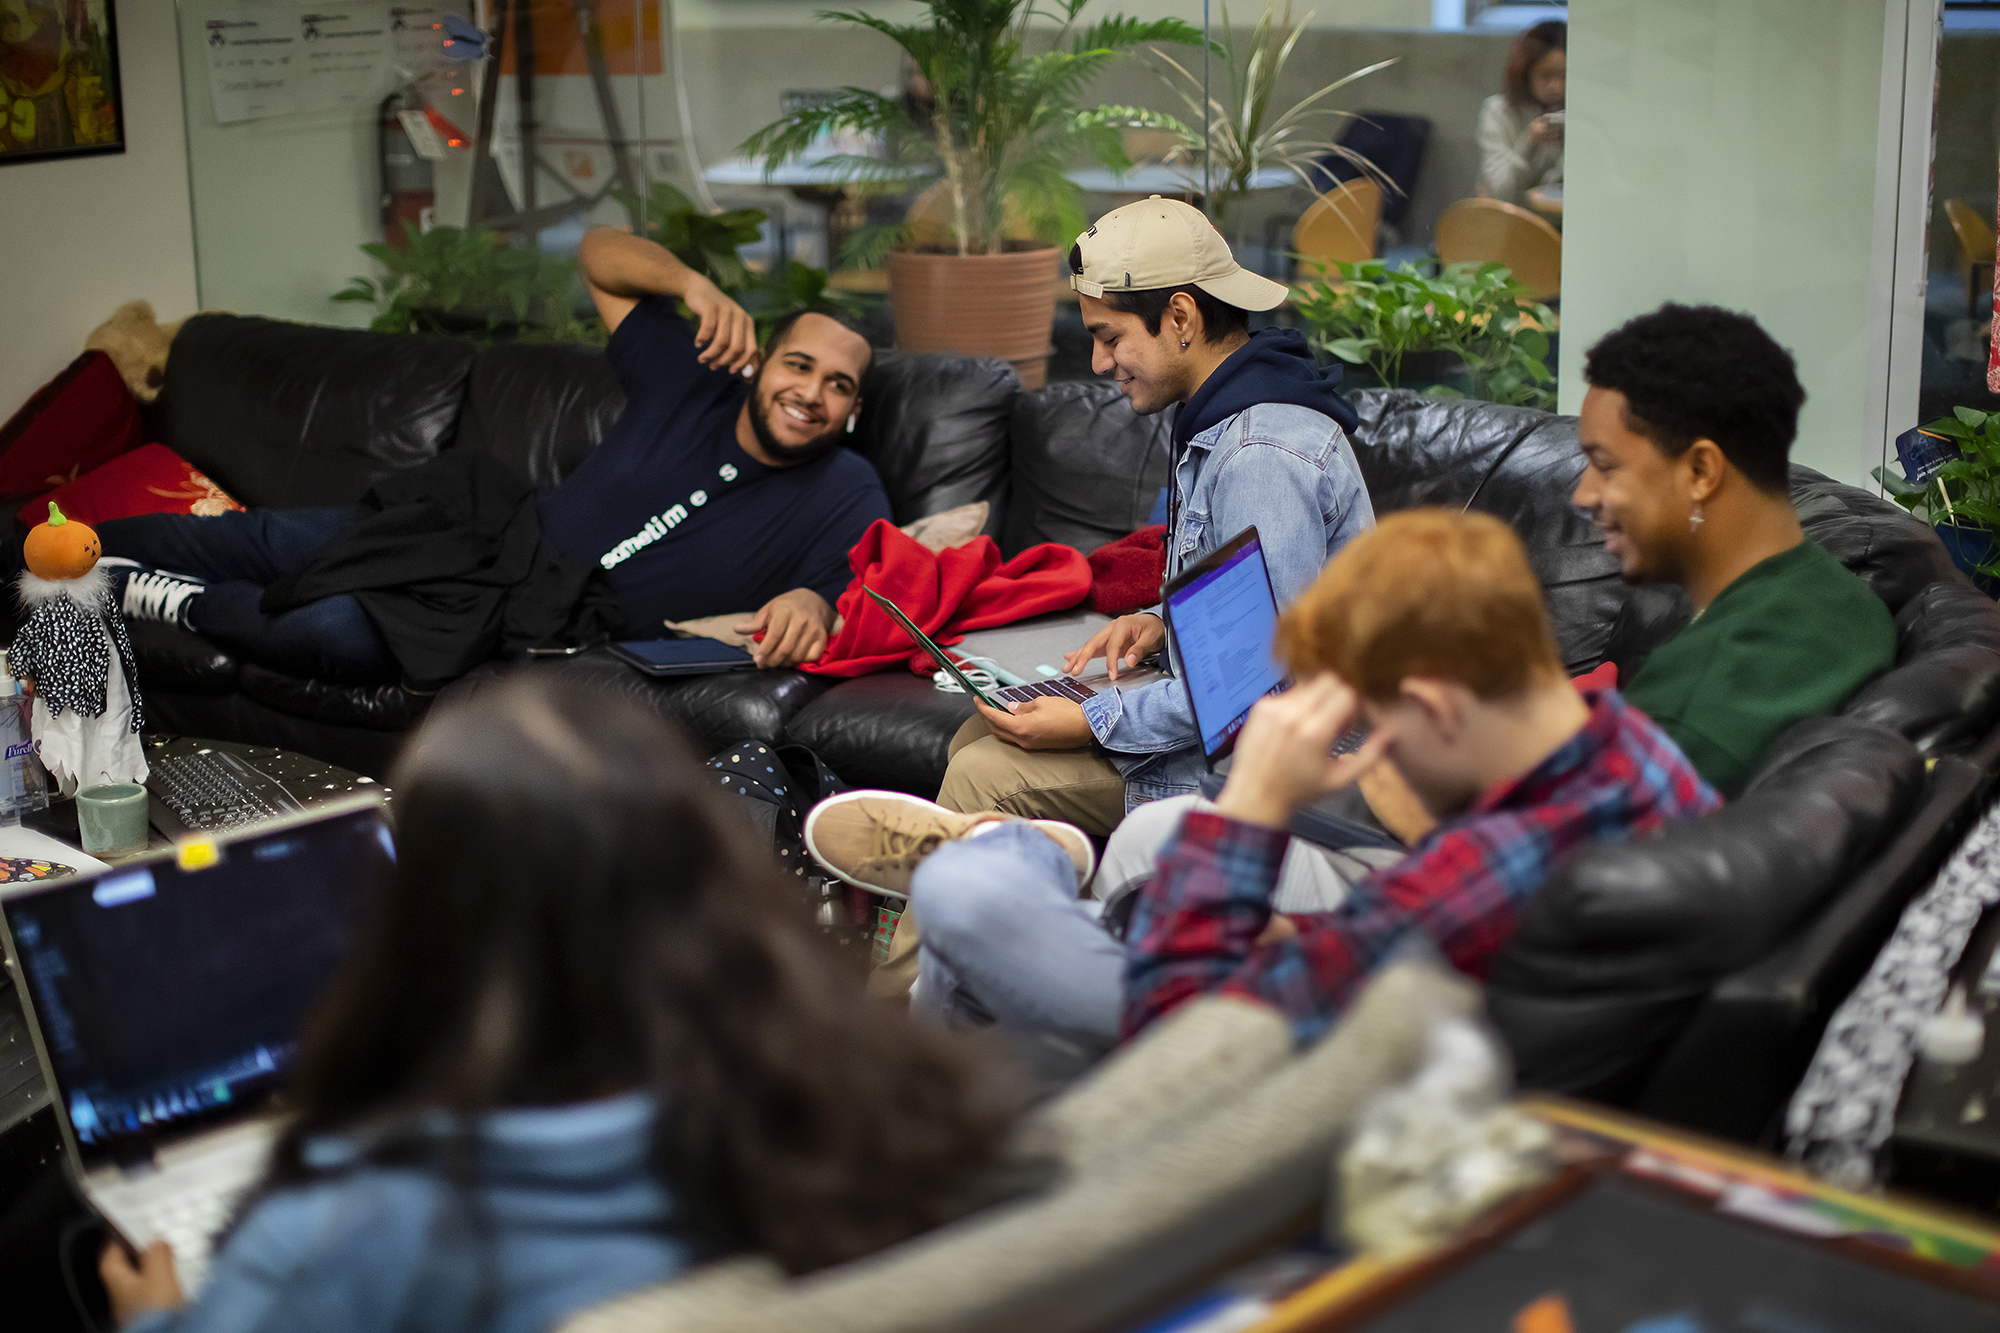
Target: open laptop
(1223,617)
(166,995)
(997,697)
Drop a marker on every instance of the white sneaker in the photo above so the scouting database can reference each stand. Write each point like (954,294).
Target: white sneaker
(163,598)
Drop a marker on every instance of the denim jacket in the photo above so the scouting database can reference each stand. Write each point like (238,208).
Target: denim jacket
(1292,473)
(572,1215)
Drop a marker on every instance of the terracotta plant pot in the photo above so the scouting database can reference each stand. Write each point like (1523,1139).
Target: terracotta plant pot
(978,305)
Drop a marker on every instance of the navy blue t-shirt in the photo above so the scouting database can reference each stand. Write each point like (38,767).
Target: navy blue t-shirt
(687,523)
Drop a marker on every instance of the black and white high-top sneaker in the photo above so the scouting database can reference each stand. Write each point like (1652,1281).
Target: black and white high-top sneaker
(155,595)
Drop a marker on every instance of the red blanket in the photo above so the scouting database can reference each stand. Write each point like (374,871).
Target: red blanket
(946,593)
(1126,574)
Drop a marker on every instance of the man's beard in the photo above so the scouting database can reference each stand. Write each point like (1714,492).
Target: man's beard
(786,455)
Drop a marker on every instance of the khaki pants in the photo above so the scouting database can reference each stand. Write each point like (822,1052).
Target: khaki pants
(1079,787)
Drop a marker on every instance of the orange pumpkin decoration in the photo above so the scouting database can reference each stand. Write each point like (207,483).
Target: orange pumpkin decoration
(61,549)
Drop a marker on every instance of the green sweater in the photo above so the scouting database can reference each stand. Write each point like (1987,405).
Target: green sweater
(1794,636)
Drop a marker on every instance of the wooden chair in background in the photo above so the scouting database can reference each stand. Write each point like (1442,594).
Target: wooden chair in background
(1975,250)
(1339,227)
(1487,231)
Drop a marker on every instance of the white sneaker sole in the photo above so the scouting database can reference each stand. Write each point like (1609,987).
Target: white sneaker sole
(812,821)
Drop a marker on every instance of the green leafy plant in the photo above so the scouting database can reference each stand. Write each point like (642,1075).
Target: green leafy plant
(1375,316)
(473,283)
(710,244)
(1003,122)
(1246,134)
(1966,491)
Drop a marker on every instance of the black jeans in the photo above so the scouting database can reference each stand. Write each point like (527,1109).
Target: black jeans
(238,554)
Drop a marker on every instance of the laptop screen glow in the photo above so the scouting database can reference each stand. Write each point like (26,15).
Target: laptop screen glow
(1224,622)
(169,999)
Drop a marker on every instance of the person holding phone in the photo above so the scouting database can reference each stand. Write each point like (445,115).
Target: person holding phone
(1521,128)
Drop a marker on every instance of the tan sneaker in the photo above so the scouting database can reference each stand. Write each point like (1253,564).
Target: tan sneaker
(1068,837)
(877,839)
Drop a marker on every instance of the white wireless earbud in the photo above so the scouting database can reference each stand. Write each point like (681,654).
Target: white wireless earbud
(852,417)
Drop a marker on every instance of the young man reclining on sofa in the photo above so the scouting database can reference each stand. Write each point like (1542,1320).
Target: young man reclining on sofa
(712,493)
(1260,439)
(1432,631)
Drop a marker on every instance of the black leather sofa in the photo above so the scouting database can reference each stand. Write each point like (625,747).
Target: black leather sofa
(1688,974)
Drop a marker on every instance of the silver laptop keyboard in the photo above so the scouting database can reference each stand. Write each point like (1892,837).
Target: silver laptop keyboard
(189,1222)
(1062,687)
(214,789)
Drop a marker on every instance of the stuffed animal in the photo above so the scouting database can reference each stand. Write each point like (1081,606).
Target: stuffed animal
(137,345)
(73,647)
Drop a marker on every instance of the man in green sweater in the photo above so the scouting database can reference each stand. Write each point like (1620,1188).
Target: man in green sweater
(1687,428)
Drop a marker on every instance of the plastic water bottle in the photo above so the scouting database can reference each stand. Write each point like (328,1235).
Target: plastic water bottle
(23,784)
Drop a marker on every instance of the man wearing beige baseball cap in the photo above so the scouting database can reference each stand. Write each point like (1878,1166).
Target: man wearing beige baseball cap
(1261,438)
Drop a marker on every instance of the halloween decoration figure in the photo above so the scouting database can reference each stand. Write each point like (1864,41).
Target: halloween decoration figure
(74,648)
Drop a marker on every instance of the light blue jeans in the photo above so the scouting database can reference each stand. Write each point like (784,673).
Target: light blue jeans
(1007,943)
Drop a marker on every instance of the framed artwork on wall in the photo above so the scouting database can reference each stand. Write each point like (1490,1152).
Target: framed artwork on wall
(59,93)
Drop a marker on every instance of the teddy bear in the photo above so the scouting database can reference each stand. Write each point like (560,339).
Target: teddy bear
(137,344)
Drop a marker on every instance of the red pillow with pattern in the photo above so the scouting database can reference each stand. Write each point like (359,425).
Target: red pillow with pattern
(81,419)
(152,479)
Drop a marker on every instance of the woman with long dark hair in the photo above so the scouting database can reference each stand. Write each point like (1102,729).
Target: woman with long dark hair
(583,1041)
(1521,128)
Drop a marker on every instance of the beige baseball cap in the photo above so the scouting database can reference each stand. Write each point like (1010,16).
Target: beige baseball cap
(1165,243)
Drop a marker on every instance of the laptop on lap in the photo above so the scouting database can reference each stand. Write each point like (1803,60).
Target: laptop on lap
(166,996)
(1223,616)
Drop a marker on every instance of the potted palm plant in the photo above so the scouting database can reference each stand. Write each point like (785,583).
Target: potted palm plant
(1004,119)
(1248,133)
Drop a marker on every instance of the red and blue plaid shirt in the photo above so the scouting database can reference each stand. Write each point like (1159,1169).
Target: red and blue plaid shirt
(1464,887)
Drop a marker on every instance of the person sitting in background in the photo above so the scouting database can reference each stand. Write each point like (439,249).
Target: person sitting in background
(1521,130)
(1431,631)
(709,495)
(1687,430)
(582,1043)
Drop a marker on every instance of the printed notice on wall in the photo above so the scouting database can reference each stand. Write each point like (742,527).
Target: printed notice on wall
(343,56)
(250,53)
(272,59)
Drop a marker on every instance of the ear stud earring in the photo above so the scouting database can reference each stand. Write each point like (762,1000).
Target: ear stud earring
(1695,520)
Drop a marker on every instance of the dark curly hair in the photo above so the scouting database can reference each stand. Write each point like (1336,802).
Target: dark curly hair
(1699,372)
(1220,321)
(575,911)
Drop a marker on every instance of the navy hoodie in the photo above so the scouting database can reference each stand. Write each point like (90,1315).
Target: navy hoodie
(1275,366)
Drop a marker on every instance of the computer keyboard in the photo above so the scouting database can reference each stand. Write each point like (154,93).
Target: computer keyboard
(189,1223)
(1062,687)
(213,789)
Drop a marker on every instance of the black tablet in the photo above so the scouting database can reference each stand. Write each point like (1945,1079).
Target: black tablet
(681,657)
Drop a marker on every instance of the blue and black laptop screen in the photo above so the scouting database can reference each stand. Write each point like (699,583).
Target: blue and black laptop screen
(167,996)
(1224,623)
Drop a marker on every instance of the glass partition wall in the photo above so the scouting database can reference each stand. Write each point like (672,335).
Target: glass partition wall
(316,132)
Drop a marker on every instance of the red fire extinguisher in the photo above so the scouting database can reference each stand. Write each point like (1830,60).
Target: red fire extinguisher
(407,193)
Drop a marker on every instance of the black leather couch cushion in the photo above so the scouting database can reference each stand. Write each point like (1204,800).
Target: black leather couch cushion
(1944,692)
(1515,463)
(1898,555)
(169,658)
(290,414)
(935,429)
(1086,468)
(369,707)
(714,710)
(1663,919)
(892,730)
(539,407)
